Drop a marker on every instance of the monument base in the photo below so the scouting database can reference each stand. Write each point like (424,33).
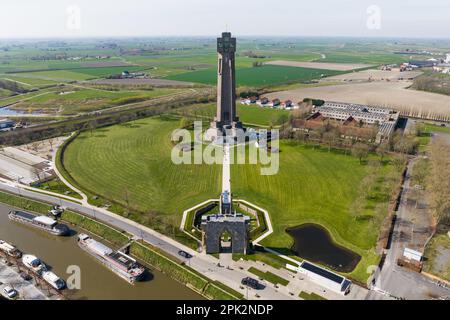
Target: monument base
(219,131)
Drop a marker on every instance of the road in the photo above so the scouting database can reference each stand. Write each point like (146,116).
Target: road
(205,264)
(398,281)
(226,177)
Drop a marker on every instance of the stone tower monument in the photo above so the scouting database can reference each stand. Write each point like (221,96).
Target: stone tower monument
(226,116)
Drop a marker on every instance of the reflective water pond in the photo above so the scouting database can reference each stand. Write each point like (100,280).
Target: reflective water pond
(314,243)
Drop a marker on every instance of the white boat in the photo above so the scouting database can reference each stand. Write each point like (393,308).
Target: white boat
(53,280)
(121,264)
(42,222)
(34,263)
(10,249)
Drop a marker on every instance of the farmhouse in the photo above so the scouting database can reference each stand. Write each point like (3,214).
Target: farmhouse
(276,102)
(264,100)
(287,104)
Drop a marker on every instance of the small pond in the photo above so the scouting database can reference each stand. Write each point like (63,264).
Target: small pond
(314,243)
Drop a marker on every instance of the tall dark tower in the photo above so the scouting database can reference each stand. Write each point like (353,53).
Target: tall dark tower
(226,116)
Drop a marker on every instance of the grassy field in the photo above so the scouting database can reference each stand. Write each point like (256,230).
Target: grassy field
(317,186)
(58,186)
(436,129)
(250,115)
(132,164)
(72,100)
(263,76)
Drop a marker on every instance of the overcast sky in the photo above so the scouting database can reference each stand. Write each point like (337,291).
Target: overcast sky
(60,18)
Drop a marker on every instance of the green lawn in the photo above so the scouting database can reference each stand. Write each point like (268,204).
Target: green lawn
(264,76)
(269,276)
(132,164)
(310,296)
(251,115)
(58,186)
(437,129)
(435,253)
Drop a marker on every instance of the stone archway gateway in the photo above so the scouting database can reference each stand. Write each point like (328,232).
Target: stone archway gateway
(214,226)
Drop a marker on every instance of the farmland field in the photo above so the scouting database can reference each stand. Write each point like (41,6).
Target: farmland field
(72,100)
(390,94)
(258,76)
(319,65)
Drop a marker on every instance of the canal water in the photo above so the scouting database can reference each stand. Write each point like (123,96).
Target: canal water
(314,243)
(97,282)
(9,112)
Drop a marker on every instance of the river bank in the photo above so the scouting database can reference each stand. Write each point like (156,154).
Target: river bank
(97,282)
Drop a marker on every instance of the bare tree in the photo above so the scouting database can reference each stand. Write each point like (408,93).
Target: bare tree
(360,150)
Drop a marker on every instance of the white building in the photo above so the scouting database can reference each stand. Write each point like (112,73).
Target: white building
(385,118)
(412,254)
(323,277)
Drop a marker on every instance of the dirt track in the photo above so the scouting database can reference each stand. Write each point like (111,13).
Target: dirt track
(376,75)
(319,65)
(151,82)
(389,94)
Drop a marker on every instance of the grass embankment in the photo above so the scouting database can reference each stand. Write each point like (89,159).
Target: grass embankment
(95,227)
(183,274)
(310,296)
(269,276)
(24,203)
(88,224)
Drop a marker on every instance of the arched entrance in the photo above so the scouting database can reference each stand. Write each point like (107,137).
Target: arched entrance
(226,242)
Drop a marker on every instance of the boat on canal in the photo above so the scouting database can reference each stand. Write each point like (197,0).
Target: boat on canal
(118,262)
(41,222)
(10,249)
(53,280)
(34,264)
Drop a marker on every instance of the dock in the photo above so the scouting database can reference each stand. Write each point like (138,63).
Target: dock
(35,289)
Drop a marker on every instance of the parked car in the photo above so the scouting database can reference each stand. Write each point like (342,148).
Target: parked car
(184,254)
(25,276)
(250,282)
(9,292)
